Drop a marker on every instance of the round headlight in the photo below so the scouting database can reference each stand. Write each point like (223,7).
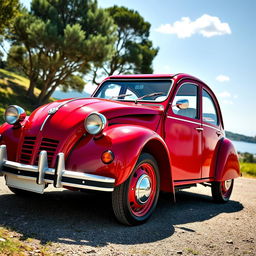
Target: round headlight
(14,114)
(95,123)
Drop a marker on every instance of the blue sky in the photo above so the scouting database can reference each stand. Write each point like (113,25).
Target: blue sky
(213,40)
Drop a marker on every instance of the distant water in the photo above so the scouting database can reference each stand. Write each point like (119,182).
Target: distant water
(245,147)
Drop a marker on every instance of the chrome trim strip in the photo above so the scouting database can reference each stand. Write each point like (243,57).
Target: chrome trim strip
(49,171)
(206,125)
(60,177)
(180,119)
(60,170)
(43,124)
(188,121)
(57,108)
(42,166)
(86,176)
(87,187)
(3,157)
(24,167)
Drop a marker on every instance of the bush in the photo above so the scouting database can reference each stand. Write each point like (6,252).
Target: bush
(248,169)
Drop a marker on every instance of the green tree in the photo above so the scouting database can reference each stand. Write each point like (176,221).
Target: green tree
(134,52)
(57,42)
(9,10)
(248,158)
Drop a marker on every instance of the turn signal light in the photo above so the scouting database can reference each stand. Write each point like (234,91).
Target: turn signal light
(107,157)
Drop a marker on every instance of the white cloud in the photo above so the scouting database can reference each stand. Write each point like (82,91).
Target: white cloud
(228,102)
(205,25)
(225,94)
(227,98)
(223,78)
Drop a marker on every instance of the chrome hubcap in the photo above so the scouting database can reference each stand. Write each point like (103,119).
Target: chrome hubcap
(227,184)
(143,189)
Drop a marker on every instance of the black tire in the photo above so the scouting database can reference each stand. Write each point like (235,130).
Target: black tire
(220,193)
(124,208)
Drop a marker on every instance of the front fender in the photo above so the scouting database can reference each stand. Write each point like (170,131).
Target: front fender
(125,141)
(227,165)
(10,137)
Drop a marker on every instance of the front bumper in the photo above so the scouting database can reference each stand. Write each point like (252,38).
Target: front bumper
(41,175)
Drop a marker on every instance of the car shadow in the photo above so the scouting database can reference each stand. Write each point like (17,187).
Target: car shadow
(87,219)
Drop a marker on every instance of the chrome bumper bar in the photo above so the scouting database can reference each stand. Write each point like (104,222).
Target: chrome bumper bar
(59,177)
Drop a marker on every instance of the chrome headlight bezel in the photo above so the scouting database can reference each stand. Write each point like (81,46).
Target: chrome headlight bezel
(14,114)
(95,123)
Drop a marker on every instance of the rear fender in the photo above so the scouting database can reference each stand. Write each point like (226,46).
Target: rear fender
(227,164)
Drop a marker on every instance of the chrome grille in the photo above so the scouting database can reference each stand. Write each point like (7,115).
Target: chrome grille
(27,149)
(50,146)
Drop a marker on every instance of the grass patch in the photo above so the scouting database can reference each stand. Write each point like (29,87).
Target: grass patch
(9,246)
(192,251)
(12,245)
(13,89)
(248,169)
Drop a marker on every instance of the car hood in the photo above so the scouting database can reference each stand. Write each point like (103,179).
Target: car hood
(66,124)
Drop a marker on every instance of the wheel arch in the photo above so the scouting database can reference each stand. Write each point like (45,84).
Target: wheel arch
(160,152)
(127,142)
(227,163)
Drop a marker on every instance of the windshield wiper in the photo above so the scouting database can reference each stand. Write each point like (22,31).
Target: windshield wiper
(121,95)
(148,95)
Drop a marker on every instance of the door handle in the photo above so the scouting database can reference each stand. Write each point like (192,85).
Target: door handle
(200,129)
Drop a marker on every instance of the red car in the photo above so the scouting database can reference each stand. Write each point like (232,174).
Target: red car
(137,135)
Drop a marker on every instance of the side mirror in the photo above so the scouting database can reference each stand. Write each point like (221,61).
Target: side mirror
(182,104)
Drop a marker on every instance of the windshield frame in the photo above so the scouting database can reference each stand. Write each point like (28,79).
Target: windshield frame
(135,80)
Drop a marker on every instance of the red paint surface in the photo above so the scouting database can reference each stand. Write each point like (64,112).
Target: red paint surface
(184,155)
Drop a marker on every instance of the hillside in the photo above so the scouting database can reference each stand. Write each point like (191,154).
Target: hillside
(240,137)
(12,92)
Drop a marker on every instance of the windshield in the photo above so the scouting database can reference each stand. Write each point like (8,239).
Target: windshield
(135,90)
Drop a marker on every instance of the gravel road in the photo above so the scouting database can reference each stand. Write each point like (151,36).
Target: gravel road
(83,224)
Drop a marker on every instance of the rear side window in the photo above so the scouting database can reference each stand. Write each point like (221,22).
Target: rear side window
(209,109)
(187,92)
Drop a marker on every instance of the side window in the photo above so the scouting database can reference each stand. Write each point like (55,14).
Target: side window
(185,102)
(209,109)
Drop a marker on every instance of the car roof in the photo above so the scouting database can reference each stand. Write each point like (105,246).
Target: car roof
(154,76)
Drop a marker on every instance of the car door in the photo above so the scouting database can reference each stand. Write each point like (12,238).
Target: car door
(183,133)
(212,132)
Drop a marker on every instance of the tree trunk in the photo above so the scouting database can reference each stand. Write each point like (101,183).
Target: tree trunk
(41,96)
(49,94)
(30,92)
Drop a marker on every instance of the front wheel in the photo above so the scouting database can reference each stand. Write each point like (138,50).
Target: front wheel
(134,201)
(221,191)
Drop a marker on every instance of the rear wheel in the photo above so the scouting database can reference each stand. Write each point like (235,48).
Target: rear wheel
(221,191)
(135,200)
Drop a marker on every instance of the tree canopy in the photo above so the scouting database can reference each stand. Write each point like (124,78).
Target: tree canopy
(133,51)
(57,42)
(9,10)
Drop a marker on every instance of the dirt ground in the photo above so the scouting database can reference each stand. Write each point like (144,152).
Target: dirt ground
(80,224)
